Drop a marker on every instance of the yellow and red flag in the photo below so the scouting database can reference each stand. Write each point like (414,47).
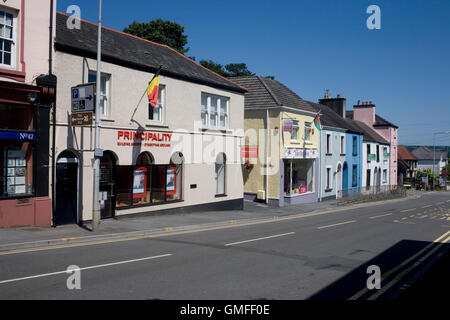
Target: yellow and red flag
(153,89)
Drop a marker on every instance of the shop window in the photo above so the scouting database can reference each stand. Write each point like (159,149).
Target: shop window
(299,177)
(220,174)
(174,177)
(156,113)
(16,169)
(123,186)
(16,118)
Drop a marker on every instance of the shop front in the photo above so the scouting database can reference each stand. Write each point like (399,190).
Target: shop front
(24,129)
(300,167)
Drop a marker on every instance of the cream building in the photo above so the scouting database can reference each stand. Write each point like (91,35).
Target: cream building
(279,121)
(182,155)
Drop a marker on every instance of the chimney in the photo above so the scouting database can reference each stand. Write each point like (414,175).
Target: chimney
(338,105)
(365,112)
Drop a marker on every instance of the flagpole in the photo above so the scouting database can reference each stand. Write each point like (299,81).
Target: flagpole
(137,107)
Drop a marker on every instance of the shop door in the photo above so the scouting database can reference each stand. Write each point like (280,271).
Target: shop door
(107,186)
(66,194)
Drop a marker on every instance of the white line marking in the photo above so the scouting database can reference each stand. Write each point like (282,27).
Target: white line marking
(408,210)
(337,224)
(265,238)
(384,215)
(427,206)
(81,269)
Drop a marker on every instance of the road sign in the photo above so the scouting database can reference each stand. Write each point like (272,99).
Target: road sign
(83,98)
(81,119)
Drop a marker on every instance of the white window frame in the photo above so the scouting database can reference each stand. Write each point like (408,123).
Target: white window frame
(329,178)
(329,146)
(13,40)
(308,127)
(295,128)
(107,95)
(161,105)
(222,172)
(342,144)
(385,175)
(219,112)
(385,150)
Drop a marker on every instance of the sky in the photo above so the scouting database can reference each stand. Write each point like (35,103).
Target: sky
(313,46)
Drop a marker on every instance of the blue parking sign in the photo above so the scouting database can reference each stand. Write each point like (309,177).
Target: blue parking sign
(75,93)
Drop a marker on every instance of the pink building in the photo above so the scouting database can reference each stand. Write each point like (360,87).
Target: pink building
(27,90)
(366,113)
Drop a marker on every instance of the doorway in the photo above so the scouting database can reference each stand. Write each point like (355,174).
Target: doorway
(107,185)
(67,195)
(339,181)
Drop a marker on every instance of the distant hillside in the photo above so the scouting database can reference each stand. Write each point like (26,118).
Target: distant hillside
(438,148)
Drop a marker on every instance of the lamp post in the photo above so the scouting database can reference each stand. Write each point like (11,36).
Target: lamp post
(97,152)
(434,151)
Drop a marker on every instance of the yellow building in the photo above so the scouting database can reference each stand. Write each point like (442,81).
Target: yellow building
(281,152)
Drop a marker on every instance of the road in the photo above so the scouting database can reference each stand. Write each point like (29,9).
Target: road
(319,256)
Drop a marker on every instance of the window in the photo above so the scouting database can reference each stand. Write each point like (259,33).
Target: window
(368,153)
(16,169)
(355,146)
(368,178)
(385,154)
(378,154)
(342,145)
(329,143)
(17,117)
(214,111)
(220,174)
(295,130)
(7,39)
(328,178)
(355,176)
(385,176)
(156,113)
(299,177)
(104,92)
(308,131)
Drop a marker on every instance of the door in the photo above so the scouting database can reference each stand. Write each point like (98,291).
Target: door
(107,186)
(339,182)
(345,185)
(66,191)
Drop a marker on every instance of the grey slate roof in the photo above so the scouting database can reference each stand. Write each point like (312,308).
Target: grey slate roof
(134,52)
(370,135)
(265,92)
(379,121)
(424,153)
(329,118)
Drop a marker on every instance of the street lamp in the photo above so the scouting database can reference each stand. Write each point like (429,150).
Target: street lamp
(434,151)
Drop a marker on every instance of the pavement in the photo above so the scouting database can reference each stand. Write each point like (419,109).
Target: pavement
(124,227)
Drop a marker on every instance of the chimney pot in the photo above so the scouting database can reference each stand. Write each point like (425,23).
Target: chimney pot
(370,102)
(359,102)
(338,96)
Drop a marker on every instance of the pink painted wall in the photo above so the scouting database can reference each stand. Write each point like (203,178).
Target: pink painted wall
(31,39)
(364,114)
(37,212)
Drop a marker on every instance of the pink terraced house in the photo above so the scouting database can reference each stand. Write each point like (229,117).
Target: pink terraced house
(366,112)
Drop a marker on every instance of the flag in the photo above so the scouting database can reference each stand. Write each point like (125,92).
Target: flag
(153,89)
(317,122)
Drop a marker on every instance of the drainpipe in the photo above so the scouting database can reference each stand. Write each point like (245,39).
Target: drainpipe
(267,156)
(50,72)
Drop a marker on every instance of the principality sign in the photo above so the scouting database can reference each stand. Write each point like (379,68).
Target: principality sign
(81,119)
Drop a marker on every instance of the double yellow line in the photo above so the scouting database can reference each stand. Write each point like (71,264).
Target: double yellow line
(442,240)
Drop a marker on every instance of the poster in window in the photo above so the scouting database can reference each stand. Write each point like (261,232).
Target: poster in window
(11,172)
(20,190)
(11,181)
(11,163)
(20,180)
(20,172)
(171,181)
(139,182)
(11,189)
(21,163)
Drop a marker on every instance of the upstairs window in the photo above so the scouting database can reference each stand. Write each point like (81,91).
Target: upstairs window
(308,131)
(295,129)
(342,145)
(215,111)
(156,113)
(104,92)
(7,39)
(328,143)
(355,146)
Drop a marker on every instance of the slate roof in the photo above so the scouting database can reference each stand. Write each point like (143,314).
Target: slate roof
(329,118)
(134,52)
(379,121)
(424,153)
(370,135)
(265,92)
(405,154)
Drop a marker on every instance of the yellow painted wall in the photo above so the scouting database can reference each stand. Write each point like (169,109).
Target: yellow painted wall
(301,143)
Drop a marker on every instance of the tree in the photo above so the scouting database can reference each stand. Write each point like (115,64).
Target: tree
(230,70)
(160,31)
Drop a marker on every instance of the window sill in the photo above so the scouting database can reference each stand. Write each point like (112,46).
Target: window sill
(106,120)
(156,125)
(296,142)
(221,195)
(343,154)
(328,190)
(329,154)
(215,130)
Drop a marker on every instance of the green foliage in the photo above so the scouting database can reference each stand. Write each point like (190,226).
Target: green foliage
(230,70)
(160,31)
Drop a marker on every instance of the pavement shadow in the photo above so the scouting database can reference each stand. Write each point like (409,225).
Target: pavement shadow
(402,264)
